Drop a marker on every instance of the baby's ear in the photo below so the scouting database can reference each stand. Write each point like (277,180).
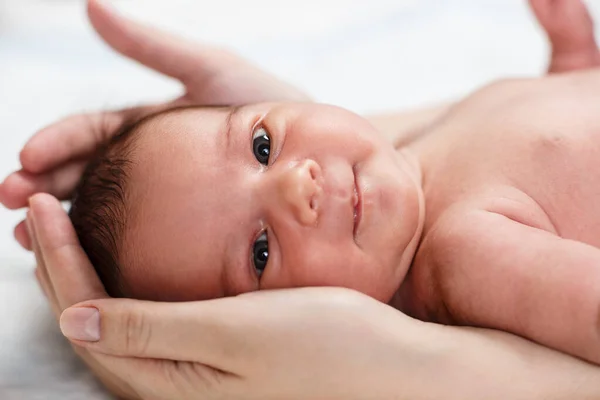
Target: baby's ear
(570,28)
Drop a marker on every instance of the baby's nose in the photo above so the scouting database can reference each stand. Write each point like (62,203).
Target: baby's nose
(301,190)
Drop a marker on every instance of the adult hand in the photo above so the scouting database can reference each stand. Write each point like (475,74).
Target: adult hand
(295,344)
(53,159)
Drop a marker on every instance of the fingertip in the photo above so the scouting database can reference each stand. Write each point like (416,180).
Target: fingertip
(5,198)
(112,28)
(98,6)
(537,6)
(93,7)
(99,14)
(15,190)
(33,155)
(81,324)
(46,215)
(151,47)
(91,4)
(27,159)
(22,236)
(42,201)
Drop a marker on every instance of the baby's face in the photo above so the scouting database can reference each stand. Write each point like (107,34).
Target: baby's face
(227,201)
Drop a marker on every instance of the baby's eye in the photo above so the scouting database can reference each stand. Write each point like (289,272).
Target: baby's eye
(261,145)
(260,253)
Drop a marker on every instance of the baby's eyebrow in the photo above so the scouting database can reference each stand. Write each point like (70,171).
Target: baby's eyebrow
(234,111)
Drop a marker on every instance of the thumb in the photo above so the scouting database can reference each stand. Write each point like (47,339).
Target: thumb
(156,49)
(203,332)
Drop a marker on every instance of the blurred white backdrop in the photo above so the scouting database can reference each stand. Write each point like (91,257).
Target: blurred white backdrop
(366,55)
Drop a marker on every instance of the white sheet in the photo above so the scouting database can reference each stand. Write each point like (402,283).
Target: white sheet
(364,55)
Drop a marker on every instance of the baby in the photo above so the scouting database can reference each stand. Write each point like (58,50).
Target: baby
(487,218)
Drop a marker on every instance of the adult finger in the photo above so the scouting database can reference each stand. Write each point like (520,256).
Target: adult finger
(541,9)
(169,54)
(45,286)
(208,332)
(41,272)
(77,136)
(71,274)
(55,243)
(22,236)
(59,182)
(152,343)
(567,23)
(44,282)
(212,75)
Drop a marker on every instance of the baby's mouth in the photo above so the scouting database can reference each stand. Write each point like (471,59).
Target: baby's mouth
(357,204)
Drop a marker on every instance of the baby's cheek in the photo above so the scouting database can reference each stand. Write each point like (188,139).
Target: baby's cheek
(313,267)
(352,272)
(334,130)
(327,262)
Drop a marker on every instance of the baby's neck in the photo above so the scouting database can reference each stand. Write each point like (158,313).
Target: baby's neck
(412,165)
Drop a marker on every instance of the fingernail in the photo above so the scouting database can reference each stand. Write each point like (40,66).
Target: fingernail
(81,323)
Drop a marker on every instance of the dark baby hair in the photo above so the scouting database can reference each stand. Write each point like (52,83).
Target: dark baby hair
(99,206)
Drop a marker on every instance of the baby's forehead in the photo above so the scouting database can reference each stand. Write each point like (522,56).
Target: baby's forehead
(159,132)
(175,114)
(176,166)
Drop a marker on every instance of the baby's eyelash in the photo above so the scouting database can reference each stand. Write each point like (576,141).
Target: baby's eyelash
(256,269)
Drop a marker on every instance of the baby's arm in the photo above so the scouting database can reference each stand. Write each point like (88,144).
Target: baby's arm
(498,273)
(570,29)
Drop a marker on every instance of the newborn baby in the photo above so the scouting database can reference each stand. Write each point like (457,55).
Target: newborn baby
(488,218)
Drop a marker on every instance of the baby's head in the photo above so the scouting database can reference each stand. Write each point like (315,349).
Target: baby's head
(204,202)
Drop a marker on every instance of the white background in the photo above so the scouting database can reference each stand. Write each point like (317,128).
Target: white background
(364,55)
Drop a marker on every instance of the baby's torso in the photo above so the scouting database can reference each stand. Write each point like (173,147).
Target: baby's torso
(525,149)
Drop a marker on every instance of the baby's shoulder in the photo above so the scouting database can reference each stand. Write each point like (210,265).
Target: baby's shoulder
(460,241)
(456,229)
(443,255)
(471,226)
